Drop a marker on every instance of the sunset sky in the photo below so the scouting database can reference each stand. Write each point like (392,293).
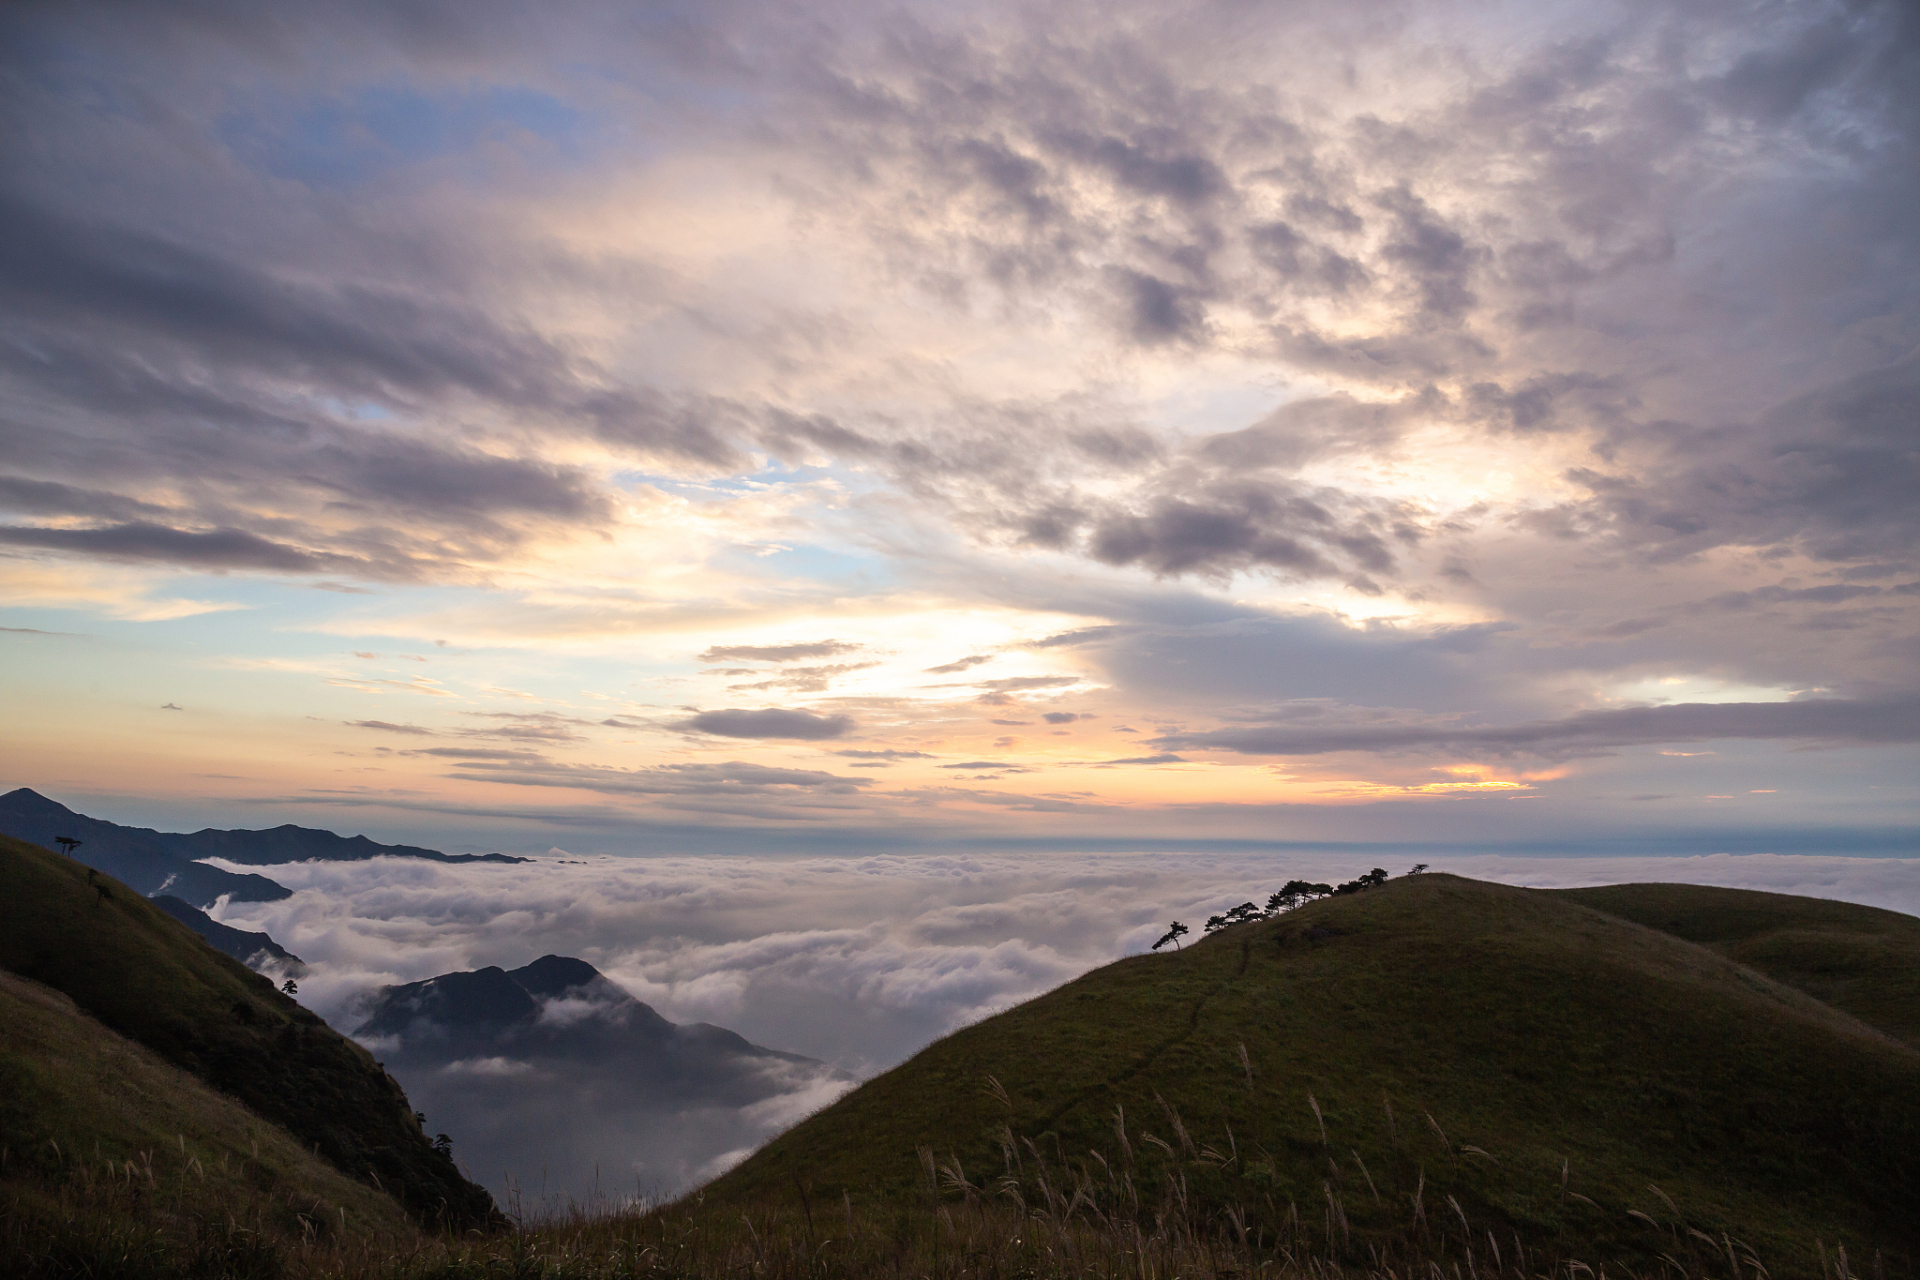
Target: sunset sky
(796,428)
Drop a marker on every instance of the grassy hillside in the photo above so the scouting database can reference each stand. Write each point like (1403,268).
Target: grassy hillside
(117,1162)
(1436,1055)
(1859,959)
(151,979)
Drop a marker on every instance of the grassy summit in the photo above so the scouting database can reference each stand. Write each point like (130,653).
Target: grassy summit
(1437,1053)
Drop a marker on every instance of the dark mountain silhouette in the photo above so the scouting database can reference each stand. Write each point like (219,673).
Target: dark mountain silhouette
(241,945)
(553,1070)
(168,862)
(288,843)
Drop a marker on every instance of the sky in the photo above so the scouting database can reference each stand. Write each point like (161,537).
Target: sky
(967,429)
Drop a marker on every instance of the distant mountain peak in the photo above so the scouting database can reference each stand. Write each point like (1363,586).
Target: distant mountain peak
(491,1001)
(555,975)
(28,798)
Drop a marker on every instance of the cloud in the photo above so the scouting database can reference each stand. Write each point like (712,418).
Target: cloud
(1217,524)
(736,789)
(1826,721)
(805,679)
(960,664)
(482,754)
(211,549)
(778,652)
(389,728)
(529,726)
(1825,473)
(1013,684)
(769,722)
(888,754)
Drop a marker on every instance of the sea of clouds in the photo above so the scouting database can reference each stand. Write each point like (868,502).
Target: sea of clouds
(857,961)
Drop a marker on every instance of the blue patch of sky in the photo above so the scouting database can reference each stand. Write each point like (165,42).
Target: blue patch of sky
(772,475)
(781,558)
(344,141)
(358,411)
(850,570)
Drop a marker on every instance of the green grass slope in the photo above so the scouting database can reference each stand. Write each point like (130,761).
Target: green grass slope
(151,979)
(116,1162)
(1863,960)
(1435,1055)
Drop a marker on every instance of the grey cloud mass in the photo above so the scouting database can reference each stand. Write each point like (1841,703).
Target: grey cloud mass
(777,652)
(1830,721)
(1203,210)
(959,664)
(209,549)
(390,728)
(769,722)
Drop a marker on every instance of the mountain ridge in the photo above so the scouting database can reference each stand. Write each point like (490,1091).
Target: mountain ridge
(157,862)
(241,944)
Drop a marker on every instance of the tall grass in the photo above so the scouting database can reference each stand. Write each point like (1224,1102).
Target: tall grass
(1044,1231)
(161,1213)
(1193,1207)
(1189,1206)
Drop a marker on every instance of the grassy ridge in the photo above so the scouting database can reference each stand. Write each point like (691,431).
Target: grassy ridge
(1538,1034)
(115,1160)
(1862,960)
(146,976)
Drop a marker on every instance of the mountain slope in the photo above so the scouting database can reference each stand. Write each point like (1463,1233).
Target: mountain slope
(1863,960)
(117,1156)
(164,861)
(1532,1030)
(240,944)
(146,976)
